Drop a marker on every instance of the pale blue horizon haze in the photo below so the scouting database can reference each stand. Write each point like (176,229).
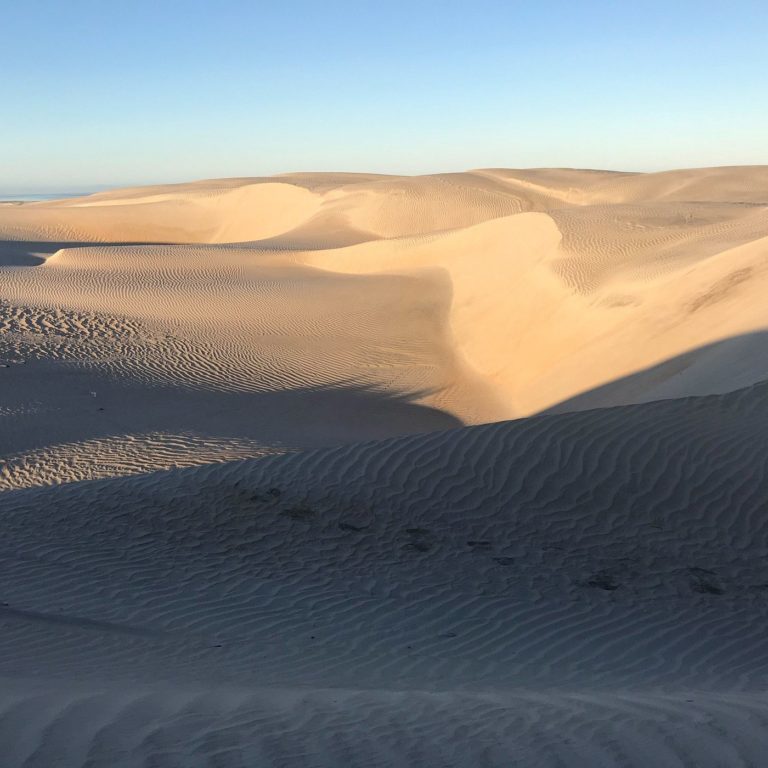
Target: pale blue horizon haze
(110,94)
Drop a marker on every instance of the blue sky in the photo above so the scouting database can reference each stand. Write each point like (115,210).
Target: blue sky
(98,92)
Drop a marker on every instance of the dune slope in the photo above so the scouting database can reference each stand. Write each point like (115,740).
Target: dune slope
(403,303)
(586,587)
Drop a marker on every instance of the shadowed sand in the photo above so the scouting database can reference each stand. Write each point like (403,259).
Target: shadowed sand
(255,511)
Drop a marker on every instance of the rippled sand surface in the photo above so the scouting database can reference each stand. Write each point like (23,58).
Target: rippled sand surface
(340,469)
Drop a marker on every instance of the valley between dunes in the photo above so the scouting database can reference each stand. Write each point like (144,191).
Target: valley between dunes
(335,469)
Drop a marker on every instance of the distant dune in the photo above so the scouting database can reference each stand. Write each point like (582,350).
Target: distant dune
(344,469)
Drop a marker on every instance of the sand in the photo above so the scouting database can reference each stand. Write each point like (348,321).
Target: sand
(343,469)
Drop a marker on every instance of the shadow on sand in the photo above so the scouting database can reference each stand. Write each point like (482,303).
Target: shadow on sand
(723,366)
(87,407)
(33,253)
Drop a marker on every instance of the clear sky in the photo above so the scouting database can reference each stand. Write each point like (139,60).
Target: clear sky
(101,92)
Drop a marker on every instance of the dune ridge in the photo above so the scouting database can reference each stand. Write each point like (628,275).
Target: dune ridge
(352,469)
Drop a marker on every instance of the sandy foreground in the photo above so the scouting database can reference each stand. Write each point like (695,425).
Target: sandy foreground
(325,469)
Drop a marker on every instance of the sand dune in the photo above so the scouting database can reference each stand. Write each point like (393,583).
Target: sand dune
(351,469)
(585,589)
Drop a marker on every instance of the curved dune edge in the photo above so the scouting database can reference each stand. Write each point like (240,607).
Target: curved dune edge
(332,308)
(520,325)
(546,305)
(585,586)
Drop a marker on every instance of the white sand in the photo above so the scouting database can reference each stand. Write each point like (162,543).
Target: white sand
(582,588)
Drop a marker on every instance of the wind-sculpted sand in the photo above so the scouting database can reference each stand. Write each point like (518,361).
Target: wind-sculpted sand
(339,469)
